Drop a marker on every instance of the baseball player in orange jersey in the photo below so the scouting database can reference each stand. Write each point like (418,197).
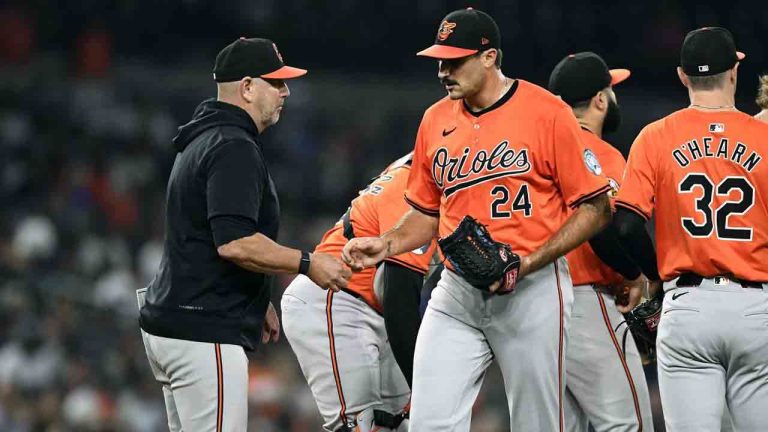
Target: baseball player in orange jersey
(701,170)
(340,338)
(762,99)
(605,382)
(510,154)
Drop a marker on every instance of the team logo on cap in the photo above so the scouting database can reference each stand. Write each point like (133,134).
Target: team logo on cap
(277,52)
(446,28)
(590,160)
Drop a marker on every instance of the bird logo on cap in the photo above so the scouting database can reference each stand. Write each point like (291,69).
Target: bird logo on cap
(446,28)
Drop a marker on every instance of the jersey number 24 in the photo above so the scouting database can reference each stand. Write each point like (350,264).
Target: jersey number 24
(521,202)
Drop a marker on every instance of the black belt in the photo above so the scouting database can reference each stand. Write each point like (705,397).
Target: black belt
(694,280)
(387,420)
(353,294)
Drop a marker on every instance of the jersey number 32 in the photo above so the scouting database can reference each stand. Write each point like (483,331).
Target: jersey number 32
(717,219)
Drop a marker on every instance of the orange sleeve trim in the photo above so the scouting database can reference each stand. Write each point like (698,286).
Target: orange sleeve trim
(426,211)
(589,196)
(407,265)
(633,209)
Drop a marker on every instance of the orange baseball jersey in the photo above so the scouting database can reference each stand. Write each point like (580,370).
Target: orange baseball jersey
(704,176)
(586,267)
(515,166)
(376,210)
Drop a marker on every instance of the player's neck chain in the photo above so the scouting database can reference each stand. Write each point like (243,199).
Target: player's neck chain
(504,87)
(718,107)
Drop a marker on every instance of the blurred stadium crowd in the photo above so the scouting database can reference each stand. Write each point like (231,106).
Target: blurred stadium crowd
(90,97)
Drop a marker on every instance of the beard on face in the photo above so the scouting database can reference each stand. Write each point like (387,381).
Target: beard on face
(612,117)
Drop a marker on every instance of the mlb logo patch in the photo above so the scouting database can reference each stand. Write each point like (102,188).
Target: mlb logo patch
(704,68)
(716,127)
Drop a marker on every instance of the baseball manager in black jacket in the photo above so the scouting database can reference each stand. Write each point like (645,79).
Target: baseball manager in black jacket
(210,301)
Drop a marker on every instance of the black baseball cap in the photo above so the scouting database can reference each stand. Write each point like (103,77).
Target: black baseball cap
(580,76)
(462,33)
(253,57)
(708,51)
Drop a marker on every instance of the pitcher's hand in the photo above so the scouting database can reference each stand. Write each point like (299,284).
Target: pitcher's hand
(364,252)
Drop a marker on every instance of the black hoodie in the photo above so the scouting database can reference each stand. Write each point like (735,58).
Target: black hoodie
(219,172)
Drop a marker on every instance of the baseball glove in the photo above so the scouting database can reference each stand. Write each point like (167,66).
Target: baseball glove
(643,322)
(480,260)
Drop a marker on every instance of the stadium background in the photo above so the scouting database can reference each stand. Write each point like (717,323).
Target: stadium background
(91,92)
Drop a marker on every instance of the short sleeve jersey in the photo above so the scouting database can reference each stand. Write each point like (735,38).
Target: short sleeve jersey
(704,176)
(377,209)
(516,166)
(586,268)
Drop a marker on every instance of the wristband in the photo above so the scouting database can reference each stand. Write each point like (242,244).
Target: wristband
(304,263)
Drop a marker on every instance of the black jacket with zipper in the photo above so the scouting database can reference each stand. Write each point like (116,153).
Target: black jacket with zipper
(219,171)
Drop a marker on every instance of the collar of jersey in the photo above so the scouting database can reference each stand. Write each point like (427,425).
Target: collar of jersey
(507,96)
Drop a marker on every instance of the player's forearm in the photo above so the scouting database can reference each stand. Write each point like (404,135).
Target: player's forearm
(635,239)
(606,246)
(414,230)
(585,222)
(258,253)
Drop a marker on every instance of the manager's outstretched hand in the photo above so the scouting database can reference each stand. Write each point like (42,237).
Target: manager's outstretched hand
(328,272)
(360,253)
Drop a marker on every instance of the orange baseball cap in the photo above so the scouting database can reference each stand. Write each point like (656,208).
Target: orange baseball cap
(253,57)
(462,33)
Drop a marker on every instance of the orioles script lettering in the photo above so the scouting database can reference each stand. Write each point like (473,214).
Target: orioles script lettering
(453,173)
